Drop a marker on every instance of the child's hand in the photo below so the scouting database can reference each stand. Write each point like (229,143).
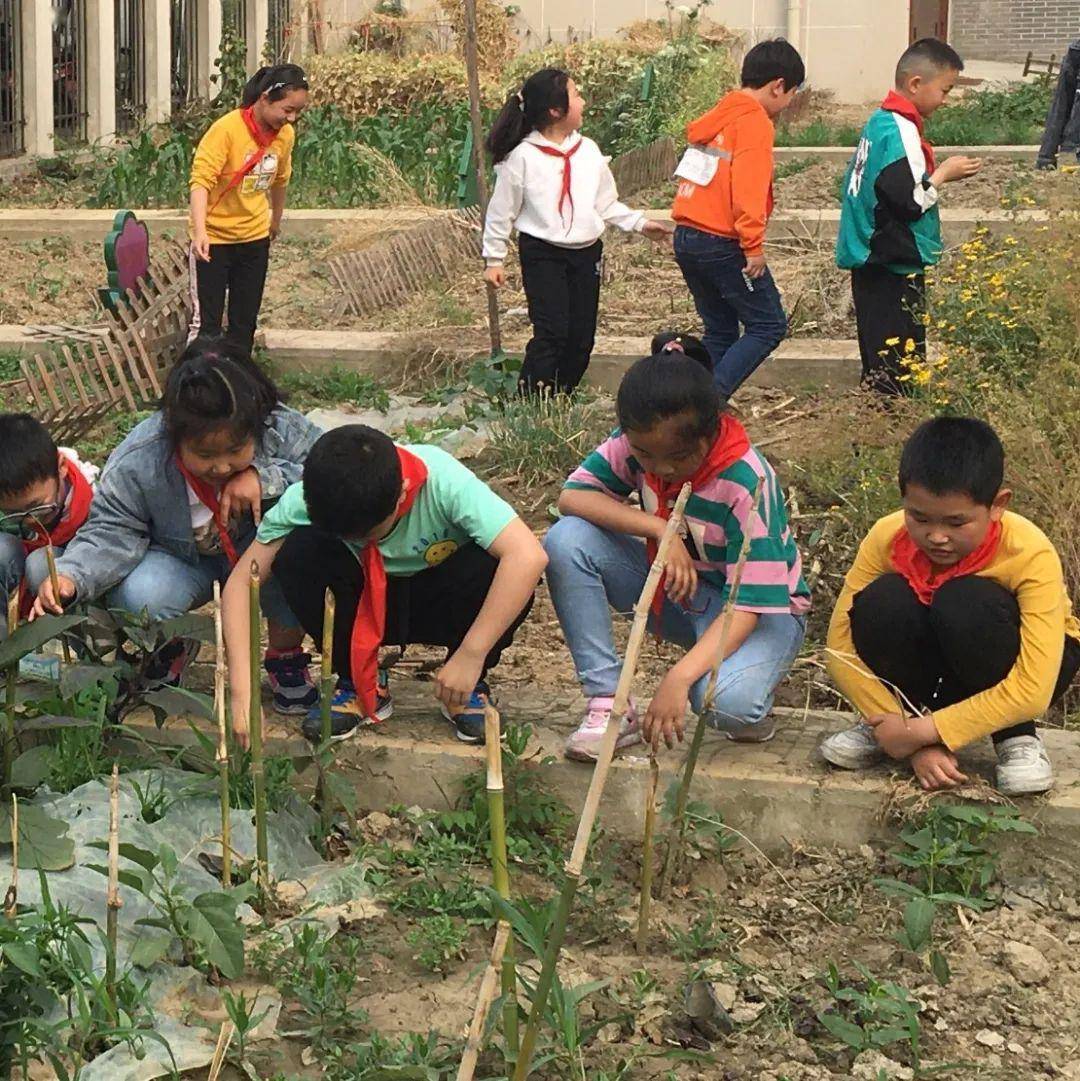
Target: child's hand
(495,276)
(681,580)
(667,712)
(200,245)
(241,728)
(936,767)
(956,168)
(660,232)
(457,679)
(901,737)
(241,494)
(47,603)
(756,265)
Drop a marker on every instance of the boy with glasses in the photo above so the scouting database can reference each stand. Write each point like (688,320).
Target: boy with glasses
(45,495)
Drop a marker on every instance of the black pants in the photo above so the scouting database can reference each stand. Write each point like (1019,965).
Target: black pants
(240,271)
(1062,131)
(965,642)
(434,608)
(562,286)
(888,308)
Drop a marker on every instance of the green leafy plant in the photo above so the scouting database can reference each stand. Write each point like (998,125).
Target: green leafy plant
(206,926)
(439,940)
(413,1056)
(871,1014)
(244,1018)
(336,385)
(703,938)
(948,855)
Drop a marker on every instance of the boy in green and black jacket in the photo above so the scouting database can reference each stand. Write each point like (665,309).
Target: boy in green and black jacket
(890,229)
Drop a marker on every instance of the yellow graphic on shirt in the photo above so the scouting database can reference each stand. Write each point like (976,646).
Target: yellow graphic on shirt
(439,551)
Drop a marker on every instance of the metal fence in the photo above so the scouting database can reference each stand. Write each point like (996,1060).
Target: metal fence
(130,44)
(278,29)
(69,69)
(185,52)
(11,121)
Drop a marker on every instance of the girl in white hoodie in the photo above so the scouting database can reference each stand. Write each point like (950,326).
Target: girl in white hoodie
(555,187)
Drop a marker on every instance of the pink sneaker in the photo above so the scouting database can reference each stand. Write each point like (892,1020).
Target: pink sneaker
(583,745)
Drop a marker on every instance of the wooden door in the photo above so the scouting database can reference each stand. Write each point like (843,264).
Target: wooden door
(929,19)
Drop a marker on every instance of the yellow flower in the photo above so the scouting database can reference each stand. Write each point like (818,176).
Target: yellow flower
(909,345)
(892,341)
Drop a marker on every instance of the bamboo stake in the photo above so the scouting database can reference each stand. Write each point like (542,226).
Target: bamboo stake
(223,740)
(54,579)
(647,854)
(258,776)
(500,871)
(113,902)
(596,788)
(677,836)
(488,986)
(217,1063)
(11,898)
(326,701)
(472,71)
(12,679)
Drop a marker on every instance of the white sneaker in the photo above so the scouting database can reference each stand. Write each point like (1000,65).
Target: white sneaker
(1023,767)
(583,745)
(854,749)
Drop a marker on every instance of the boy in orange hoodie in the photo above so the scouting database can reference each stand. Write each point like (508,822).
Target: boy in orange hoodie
(722,204)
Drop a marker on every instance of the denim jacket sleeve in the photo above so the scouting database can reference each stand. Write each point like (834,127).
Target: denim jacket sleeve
(285,445)
(114,539)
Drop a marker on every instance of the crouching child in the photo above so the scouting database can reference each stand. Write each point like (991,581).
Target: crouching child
(954,623)
(415,549)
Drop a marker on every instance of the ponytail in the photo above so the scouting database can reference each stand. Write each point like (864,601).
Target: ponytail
(529,109)
(215,386)
(667,341)
(275,82)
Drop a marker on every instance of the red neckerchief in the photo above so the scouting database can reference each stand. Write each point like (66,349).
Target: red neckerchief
(369,625)
(730,445)
(206,495)
(913,563)
(263,139)
(566,155)
(72,517)
(895,103)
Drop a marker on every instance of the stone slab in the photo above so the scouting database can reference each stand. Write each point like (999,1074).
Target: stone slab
(778,793)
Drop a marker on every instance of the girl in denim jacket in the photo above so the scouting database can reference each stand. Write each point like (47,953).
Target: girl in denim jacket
(179,501)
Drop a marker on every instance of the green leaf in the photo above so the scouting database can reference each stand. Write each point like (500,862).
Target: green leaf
(340,791)
(180,702)
(128,878)
(844,1030)
(32,767)
(149,949)
(30,637)
(919,915)
(43,841)
(939,966)
(145,859)
(211,922)
(192,625)
(24,957)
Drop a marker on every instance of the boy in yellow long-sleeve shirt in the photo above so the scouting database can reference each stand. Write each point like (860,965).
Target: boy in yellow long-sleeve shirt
(238,181)
(954,622)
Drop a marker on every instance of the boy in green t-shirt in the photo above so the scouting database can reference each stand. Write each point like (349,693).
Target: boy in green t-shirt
(416,549)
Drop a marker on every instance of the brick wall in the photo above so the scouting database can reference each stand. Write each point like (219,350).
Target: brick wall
(1008,29)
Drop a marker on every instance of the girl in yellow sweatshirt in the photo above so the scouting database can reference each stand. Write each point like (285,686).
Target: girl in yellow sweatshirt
(238,182)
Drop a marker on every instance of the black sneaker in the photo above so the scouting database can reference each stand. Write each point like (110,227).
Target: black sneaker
(290,679)
(469,723)
(168,664)
(347,712)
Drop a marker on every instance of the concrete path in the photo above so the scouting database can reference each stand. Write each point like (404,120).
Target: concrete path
(777,793)
(307,224)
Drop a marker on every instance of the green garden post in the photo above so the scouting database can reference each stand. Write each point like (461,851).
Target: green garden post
(258,775)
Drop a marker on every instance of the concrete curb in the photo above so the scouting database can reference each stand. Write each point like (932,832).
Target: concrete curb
(21,225)
(777,793)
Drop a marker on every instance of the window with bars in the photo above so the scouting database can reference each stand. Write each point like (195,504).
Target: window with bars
(130,42)
(278,29)
(69,70)
(11,118)
(185,52)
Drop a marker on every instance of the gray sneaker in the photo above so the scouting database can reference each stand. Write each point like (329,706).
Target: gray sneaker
(854,749)
(1023,767)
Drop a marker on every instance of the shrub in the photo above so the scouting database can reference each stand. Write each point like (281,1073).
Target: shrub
(1013,115)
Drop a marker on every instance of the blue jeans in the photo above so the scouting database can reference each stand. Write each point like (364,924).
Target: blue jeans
(592,571)
(713,269)
(167,587)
